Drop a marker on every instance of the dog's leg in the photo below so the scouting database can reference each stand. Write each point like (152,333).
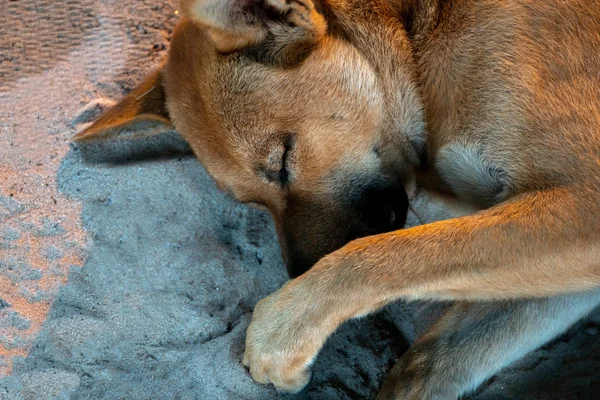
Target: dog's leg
(473,341)
(538,244)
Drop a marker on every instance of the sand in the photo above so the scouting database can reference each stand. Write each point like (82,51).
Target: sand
(125,273)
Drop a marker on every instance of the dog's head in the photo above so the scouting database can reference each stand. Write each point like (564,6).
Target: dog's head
(285,114)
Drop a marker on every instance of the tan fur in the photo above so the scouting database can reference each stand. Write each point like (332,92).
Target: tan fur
(506,96)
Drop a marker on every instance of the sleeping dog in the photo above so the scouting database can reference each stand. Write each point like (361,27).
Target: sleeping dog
(323,111)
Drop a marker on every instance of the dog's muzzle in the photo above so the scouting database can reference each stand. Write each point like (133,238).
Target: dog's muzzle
(314,228)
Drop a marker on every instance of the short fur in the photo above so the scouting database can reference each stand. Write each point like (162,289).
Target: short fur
(322,112)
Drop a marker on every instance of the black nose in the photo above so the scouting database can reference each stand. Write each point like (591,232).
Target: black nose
(382,209)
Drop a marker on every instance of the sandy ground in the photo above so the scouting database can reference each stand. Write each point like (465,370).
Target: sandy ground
(124,273)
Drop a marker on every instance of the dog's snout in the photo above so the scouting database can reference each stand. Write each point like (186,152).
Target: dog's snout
(363,207)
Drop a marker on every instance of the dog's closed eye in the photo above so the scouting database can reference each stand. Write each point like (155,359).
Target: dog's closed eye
(277,168)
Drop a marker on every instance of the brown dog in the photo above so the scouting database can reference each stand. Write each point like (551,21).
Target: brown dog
(321,112)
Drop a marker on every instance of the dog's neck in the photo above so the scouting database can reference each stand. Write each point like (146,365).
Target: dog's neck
(420,17)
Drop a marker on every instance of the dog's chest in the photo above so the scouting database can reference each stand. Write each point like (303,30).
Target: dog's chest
(470,174)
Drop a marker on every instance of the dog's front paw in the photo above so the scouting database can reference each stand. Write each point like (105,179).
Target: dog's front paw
(282,340)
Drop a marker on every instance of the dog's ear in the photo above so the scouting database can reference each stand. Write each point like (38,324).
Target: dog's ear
(141,113)
(237,24)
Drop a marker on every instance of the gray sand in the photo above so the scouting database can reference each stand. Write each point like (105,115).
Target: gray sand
(163,269)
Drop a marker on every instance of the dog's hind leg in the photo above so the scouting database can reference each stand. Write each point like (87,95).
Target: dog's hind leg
(473,341)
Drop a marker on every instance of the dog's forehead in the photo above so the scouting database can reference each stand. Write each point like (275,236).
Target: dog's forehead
(334,78)
(332,62)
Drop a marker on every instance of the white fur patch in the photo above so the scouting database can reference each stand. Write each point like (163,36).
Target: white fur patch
(472,177)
